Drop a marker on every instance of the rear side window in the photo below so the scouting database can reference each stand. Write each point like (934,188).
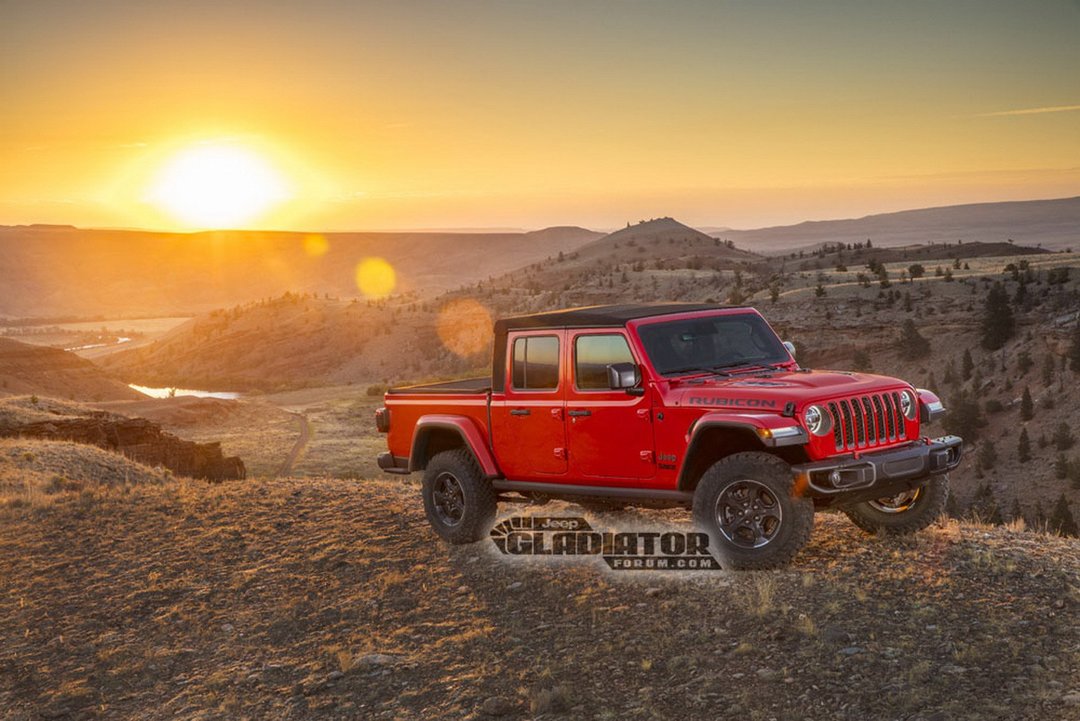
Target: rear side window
(593,354)
(536,363)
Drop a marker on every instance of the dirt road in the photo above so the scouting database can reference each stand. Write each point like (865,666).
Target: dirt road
(332,600)
(298,447)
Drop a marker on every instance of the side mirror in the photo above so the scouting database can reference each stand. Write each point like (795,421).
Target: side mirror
(624,376)
(790,347)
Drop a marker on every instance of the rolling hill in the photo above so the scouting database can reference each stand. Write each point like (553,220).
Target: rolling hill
(1053,224)
(48,271)
(310,339)
(30,369)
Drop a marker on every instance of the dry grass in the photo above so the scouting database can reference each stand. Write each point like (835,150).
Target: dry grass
(331,599)
(33,473)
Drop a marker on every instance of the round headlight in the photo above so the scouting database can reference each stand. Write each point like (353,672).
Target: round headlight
(907,404)
(817,420)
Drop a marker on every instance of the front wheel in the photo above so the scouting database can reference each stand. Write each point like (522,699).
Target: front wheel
(748,505)
(460,505)
(906,512)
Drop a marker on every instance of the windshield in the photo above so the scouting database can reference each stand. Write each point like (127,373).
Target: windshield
(712,343)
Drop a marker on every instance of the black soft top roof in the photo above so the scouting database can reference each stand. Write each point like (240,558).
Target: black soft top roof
(593,316)
(599,315)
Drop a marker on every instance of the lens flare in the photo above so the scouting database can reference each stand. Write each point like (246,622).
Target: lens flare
(464,327)
(375,278)
(316,245)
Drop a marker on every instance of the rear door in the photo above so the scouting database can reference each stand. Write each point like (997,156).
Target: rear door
(528,428)
(610,432)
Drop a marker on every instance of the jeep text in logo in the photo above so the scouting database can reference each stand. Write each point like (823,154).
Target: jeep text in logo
(731,402)
(634,551)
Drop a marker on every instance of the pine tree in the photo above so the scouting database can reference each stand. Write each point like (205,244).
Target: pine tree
(1027,407)
(987,456)
(1039,517)
(1015,512)
(967,365)
(1024,362)
(998,324)
(950,374)
(913,345)
(984,506)
(1074,349)
(964,418)
(1063,437)
(1061,520)
(1023,448)
(1061,467)
(1048,370)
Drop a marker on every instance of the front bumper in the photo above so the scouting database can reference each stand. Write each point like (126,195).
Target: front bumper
(881,473)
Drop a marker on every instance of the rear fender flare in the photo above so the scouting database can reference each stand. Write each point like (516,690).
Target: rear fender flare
(472,438)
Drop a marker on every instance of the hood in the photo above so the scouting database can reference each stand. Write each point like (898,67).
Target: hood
(772,391)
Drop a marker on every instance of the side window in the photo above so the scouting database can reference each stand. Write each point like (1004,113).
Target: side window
(593,354)
(536,363)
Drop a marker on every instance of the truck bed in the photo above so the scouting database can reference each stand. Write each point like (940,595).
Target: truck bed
(466,385)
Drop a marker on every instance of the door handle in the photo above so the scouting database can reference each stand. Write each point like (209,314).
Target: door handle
(520,412)
(579,413)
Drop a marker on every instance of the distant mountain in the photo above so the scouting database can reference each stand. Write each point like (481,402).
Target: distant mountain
(30,369)
(1053,224)
(55,271)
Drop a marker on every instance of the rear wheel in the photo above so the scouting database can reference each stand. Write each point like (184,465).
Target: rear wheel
(748,506)
(906,512)
(460,504)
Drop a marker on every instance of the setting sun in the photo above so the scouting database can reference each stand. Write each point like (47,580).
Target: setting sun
(217,185)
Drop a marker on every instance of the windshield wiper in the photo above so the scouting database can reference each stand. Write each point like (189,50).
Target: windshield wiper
(715,370)
(753,367)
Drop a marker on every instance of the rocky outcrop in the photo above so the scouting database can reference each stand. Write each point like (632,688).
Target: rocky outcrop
(138,439)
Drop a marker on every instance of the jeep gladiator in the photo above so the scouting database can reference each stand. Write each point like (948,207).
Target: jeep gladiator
(699,406)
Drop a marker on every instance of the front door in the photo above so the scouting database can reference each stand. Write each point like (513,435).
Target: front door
(610,432)
(529,429)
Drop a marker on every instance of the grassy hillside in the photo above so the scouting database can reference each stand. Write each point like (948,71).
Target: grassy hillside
(34,474)
(844,308)
(57,271)
(31,369)
(332,599)
(1053,224)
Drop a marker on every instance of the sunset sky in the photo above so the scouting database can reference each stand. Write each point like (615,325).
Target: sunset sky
(378,115)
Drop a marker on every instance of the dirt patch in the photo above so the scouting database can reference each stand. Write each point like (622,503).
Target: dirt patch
(332,599)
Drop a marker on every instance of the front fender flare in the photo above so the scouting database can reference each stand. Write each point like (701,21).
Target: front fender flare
(771,431)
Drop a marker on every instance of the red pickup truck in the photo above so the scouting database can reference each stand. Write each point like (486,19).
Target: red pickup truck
(671,405)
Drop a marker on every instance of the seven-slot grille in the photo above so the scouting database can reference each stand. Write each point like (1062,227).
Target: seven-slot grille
(867,421)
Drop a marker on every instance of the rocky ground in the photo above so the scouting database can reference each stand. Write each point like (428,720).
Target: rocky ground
(331,599)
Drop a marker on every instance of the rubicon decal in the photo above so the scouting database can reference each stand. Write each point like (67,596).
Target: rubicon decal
(731,402)
(622,551)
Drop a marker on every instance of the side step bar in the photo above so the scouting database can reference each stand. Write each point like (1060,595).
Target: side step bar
(560,489)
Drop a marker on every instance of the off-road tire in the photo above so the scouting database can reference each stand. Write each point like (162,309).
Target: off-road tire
(478,501)
(767,476)
(927,506)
